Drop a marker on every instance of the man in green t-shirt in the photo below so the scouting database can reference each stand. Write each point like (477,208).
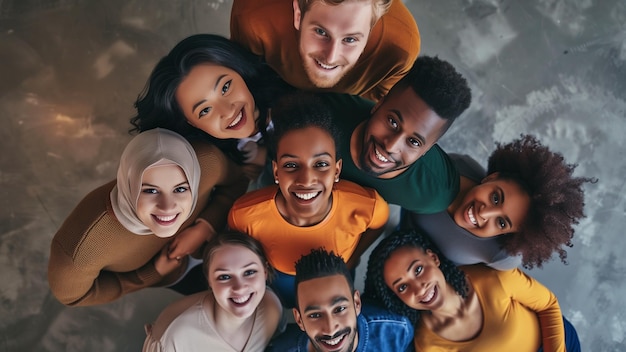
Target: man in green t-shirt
(391,146)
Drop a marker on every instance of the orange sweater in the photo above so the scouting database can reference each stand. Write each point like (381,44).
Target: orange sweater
(266,28)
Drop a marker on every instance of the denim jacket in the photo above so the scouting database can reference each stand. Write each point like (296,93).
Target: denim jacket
(379,331)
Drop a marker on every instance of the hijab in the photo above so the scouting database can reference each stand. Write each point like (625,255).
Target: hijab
(150,148)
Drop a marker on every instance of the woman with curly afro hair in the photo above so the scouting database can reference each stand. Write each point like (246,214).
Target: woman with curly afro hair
(522,212)
(471,308)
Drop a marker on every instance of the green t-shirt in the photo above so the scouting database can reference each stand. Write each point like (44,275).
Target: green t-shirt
(428,186)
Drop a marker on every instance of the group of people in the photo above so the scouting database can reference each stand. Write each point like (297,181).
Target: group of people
(262,169)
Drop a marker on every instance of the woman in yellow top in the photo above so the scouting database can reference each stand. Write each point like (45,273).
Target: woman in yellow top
(471,308)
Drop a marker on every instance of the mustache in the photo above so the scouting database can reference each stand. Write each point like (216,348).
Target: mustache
(345,331)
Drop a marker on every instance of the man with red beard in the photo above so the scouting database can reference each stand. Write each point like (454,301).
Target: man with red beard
(331,317)
(360,47)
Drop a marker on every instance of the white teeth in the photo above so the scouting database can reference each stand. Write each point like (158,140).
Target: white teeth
(324,66)
(240,300)
(470,214)
(380,156)
(165,218)
(237,119)
(429,296)
(307,196)
(334,341)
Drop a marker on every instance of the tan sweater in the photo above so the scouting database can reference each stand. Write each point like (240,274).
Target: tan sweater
(95,260)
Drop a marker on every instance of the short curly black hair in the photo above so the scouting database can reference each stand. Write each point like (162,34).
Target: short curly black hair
(375,287)
(556,199)
(321,263)
(441,87)
(300,110)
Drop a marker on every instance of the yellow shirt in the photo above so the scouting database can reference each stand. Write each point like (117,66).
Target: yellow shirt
(519,314)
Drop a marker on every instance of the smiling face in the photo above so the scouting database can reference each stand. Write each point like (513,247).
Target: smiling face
(306,169)
(165,200)
(401,129)
(237,277)
(331,38)
(493,207)
(327,312)
(414,276)
(216,100)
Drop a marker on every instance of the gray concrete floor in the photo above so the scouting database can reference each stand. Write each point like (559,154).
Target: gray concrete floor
(71,69)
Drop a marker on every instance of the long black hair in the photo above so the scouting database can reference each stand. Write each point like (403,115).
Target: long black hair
(156,104)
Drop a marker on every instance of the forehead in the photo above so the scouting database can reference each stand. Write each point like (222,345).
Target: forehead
(417,116)
(344,17)
(311,140)
(400,260)
(322,291)
(232,256)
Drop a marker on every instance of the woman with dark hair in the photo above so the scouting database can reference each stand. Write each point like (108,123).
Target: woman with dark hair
(472,308)
(210,86)
(522,212)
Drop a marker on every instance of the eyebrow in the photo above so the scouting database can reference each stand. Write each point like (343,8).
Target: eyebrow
(356,34)
(335,300)
(245,266)
(195,106)
(155,186)
(287,155)
(407,269)
(401,118)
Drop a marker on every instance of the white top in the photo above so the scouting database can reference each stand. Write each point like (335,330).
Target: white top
(187,325)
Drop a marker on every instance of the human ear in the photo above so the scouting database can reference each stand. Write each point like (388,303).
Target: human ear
(338,166)
(433,256)
(297,15)
(275,171)
(357,302)
(298,318)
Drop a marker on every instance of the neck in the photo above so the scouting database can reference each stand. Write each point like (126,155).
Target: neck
(453,306)
(296,219)
(227,323)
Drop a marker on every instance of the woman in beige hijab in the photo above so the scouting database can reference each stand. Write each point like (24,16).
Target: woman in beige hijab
(136,231)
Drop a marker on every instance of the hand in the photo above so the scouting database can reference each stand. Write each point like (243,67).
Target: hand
(164,265)
(190,239)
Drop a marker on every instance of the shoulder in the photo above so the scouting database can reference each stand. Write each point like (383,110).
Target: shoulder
(356,191)
(207,152)
(384,329)
(256,198)
(173,317)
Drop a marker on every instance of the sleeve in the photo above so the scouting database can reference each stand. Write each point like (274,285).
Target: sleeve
(222,181)
(84,283)
(504,261)
(380,214)
(538,298)
(241,28)
(150,344)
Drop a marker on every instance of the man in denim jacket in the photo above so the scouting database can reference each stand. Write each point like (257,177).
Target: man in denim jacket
(330,316)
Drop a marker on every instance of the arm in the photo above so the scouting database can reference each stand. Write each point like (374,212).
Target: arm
(538,298)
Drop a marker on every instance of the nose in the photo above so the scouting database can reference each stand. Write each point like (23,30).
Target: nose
(223,109)
(332,52)
(488,211)
(237,284)
(330,325)
(393,143)
(306,177)
(166,202)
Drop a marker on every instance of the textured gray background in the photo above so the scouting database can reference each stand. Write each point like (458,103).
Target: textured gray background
(71,69)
